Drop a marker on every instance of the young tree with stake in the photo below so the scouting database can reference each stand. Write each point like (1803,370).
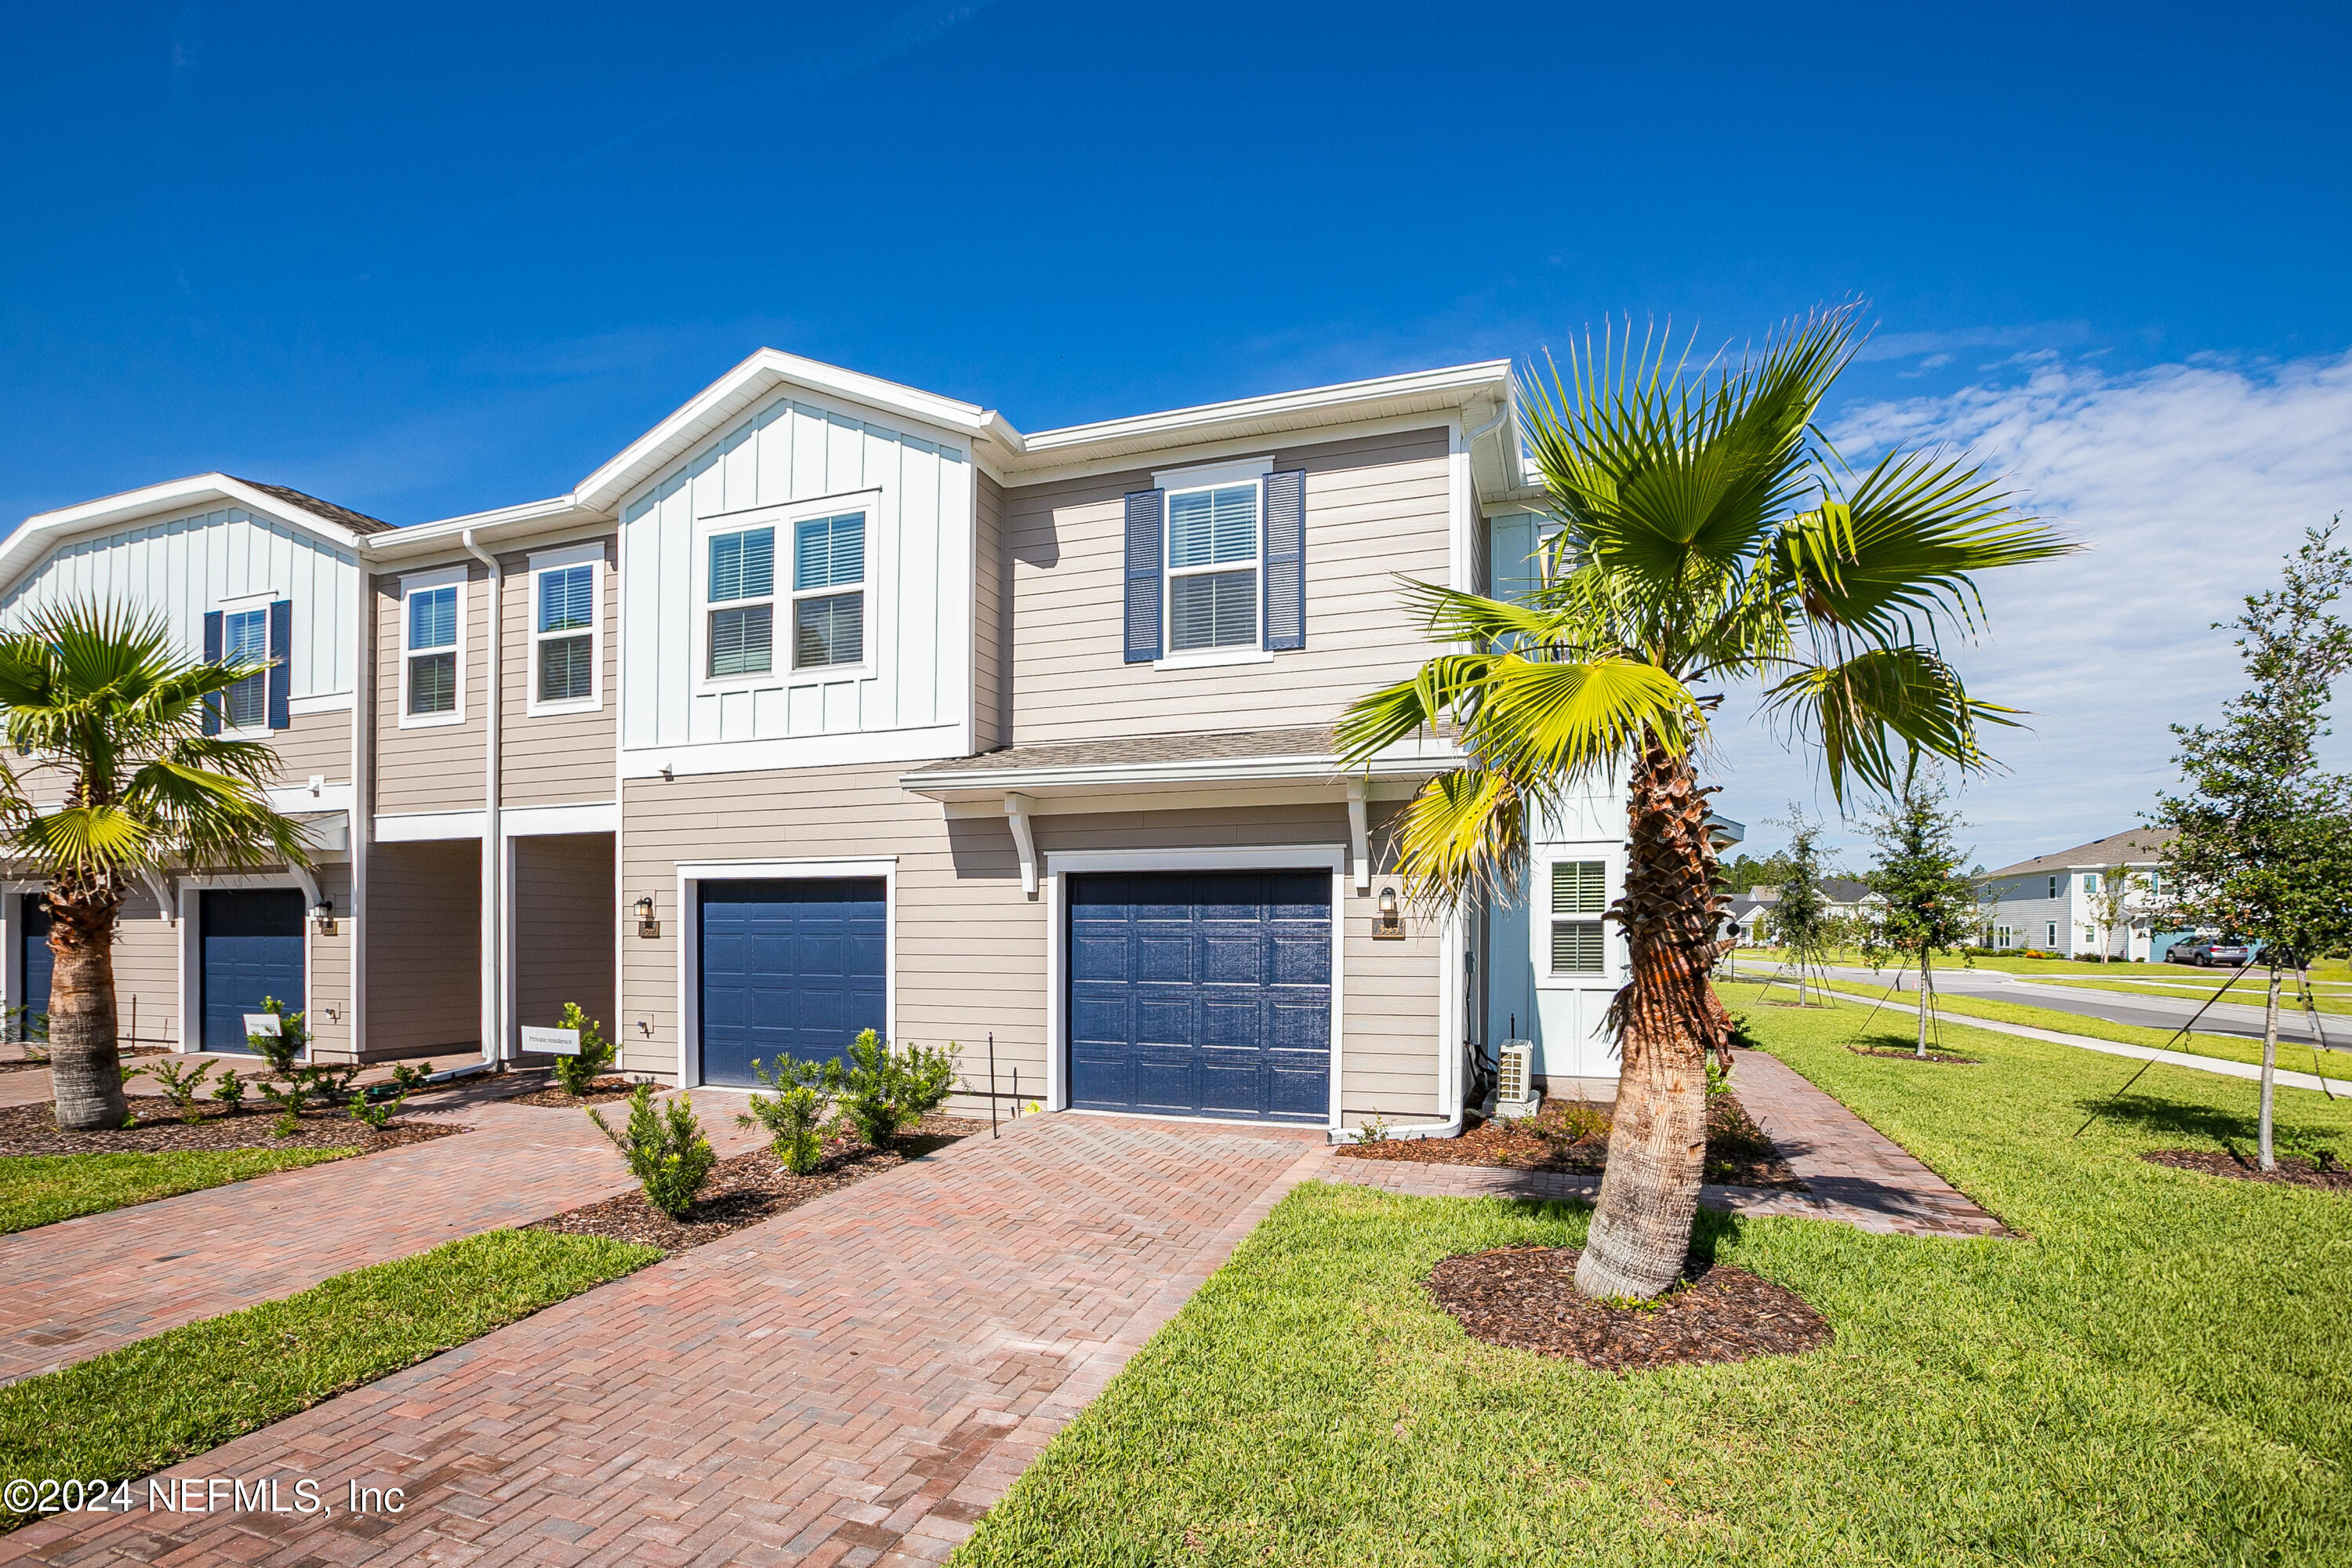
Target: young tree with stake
(2262,844)
(1930,908)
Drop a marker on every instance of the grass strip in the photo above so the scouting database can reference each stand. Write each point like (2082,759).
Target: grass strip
(152,1403)
(2295,1055)
(41,1189)
(2155,1372)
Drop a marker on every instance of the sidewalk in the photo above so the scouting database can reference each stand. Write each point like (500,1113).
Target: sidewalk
(1858,1176)
(82,1287)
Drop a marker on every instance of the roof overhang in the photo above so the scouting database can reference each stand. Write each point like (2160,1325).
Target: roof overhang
(1400,765)
(529,520)
(43,530)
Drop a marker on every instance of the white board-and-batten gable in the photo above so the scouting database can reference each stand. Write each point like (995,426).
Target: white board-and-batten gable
(798,453)
(184,549)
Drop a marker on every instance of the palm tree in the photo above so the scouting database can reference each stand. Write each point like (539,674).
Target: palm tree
(1709,534)
(102,703)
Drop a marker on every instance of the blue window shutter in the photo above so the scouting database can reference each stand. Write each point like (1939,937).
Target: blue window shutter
(281,662)
(1144,509)
(212,656)
(1286,559)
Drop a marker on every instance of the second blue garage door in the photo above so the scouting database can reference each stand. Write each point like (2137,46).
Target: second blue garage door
(252,950)
(1201,994)
(791,968)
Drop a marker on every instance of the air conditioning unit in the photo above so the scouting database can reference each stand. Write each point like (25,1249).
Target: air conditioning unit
(1515,1091)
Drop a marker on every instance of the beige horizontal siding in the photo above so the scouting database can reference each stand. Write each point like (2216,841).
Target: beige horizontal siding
(434,767)
(988,632)
(312,744)
(1376,506)
(146,972)
(552,759)
(564,915)
(424,948)
(331,969)
(970,949)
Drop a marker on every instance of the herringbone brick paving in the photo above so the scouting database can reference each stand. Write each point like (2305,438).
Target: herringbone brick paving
(852,1383)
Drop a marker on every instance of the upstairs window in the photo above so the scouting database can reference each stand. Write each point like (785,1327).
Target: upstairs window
(743,596)
(2054,887)
(1579,888)
(565,634)
(1212,568)
(828,625)
(245,640)
(431,653)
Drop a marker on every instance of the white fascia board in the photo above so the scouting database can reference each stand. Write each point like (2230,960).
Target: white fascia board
(1222,770)
(783,753)
(709,412)
(529,519)
(42,530)
(417,826)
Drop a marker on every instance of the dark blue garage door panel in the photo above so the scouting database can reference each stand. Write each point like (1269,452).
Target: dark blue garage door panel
(788,967)
(37,961)
(252,949)
(1204,994)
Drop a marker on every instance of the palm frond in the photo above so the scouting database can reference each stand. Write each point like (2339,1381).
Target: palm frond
(1464,835)
(1874,715)
(90,840)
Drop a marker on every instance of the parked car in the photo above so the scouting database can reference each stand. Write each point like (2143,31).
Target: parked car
(2205,951)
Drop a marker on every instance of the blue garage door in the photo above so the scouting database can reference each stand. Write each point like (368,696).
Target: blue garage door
(787,966)
(252,949)
(37,962)
(1204,994)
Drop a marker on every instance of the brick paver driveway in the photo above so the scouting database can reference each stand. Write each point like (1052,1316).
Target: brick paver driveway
(851,1383)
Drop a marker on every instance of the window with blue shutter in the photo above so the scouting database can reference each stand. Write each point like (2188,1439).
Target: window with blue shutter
(1286,560)
(1212,568)
(212,656)
(281,664)
(1143,570)
(245,640)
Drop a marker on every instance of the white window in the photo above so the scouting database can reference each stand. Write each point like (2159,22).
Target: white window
(432,634)
(566,628)
(828,591)
(2050,934)
(245,640)
(2054,887)
(1215,542)
(2090,882)
(1580,892)
(742,597)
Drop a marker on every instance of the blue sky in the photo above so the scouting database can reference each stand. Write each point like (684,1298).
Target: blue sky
(424,259)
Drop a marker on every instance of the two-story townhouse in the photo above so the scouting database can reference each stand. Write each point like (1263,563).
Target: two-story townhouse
(2053,903)
(830,703)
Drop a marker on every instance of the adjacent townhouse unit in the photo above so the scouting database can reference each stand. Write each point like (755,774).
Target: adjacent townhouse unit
(2057,903)
(830,703)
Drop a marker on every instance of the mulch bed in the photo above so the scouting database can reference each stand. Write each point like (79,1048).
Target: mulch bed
(606,1089)
(22,1063)
(747,1188)
(1525,1298)
(1573,1136)
(1895,1054)
(2292,1171)
(32,1130)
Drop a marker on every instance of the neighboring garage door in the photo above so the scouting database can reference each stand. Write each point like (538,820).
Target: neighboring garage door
(37,963)
(1203,993)
(252,949)
(788,967)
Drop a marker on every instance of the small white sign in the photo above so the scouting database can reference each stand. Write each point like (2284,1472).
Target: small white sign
(262,1023)
(553,1042)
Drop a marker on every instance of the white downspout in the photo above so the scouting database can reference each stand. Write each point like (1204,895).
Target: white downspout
(495,1046)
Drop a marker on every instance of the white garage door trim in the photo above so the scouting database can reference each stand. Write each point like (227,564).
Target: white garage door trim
(1061,867)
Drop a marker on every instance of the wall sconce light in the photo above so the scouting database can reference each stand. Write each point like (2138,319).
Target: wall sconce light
(646,925)
(323,917)
(1389,924)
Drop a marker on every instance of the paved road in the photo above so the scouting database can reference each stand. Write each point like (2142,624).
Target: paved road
(2155,1010)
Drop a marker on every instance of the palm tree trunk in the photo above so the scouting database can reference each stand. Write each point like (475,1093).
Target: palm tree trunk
(2265,1158)
(85,1063)
(1665,1021)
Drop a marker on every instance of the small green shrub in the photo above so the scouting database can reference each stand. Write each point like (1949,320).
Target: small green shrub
(884,1090)
(229,1090)
(377,1113)
(578,1074)
(805,1092)
(666,1149)
(180,1083)
(279,1051)
(1375,1129)
(407,1080)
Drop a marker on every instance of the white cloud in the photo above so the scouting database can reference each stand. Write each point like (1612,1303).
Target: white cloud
(2187,482)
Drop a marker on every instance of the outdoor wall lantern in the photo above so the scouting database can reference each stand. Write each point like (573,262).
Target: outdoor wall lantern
(323,917)
(1389,924)
(646,925)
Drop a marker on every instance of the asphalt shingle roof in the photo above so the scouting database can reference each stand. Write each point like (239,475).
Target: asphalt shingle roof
(2135,846)
(357,522)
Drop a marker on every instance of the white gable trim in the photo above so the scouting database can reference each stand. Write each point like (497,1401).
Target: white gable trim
(44,532)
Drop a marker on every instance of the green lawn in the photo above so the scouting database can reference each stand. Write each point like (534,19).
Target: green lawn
(2158,1372)
(2325,973)
(40,1189)
(161,1400)
(2292,1055)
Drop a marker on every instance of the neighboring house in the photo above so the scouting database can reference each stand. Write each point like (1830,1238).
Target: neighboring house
(1749,918)
(2052,903)
(830,703)
(1744,919)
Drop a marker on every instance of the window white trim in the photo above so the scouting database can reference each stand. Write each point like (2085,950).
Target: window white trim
(1061,866)
(412,585)
(247,605)
(590,553)
(1616,964)
(692,874)
(1211,657)
(1203,475)
(783,518)
(1169,572)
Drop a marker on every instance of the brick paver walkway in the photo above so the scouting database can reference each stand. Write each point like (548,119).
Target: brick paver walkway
(852,1383)
(1858,1176)
(82,1287)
